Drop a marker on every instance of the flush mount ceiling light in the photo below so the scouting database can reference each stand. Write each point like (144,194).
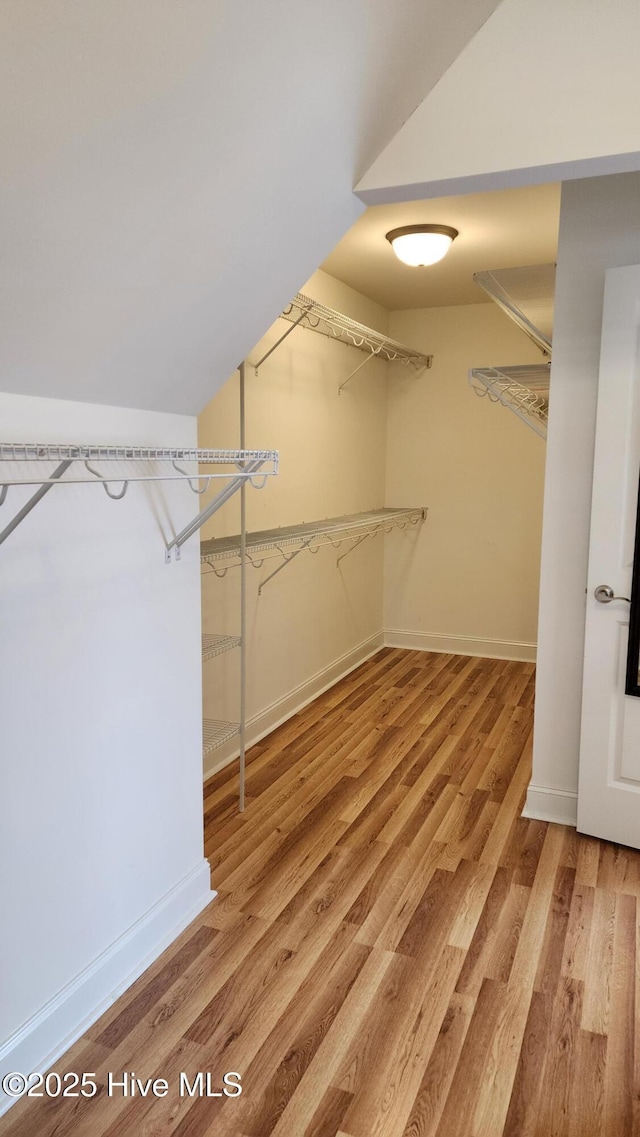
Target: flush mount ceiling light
(421,244)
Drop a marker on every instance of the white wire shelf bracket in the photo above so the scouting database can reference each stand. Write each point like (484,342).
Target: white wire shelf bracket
(213,645)
(235,466)
(307,313)
(287,542)
(526,294)
(523,390)
(215,732)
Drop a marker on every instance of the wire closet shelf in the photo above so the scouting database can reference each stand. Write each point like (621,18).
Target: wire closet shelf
(214,644)
(221,553)
(215,732)
(526,295)
(72,452)
(523,390)
(307,313)
(155,464)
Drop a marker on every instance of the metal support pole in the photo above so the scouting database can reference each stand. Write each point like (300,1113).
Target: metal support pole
(243,599)
(33,501)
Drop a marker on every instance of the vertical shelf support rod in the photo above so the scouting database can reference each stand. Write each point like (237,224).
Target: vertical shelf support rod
(243,597)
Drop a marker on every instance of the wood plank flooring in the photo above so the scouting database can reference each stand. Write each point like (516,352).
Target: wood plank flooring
(394,952)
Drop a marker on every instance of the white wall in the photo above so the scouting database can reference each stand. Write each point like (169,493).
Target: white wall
(470,582)
(544,92)
(599,229)
(314,620)
(172,172)
(100,732)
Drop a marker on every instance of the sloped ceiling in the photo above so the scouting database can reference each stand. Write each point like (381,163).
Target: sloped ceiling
(545,92)
(173,171)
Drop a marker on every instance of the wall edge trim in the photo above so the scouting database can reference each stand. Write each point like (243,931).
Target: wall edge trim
(516,650)
(547,803)
(272,716)
(63,1019)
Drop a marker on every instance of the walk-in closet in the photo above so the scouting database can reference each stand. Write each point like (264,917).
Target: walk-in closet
(406,512)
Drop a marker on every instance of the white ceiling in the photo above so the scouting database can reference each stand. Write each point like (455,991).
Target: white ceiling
(545,92)
(172,172)
(500,229)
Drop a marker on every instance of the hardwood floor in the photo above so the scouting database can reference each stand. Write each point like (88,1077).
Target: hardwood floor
(394,952)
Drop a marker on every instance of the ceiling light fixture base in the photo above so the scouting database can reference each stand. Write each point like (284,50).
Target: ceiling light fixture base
(421,245)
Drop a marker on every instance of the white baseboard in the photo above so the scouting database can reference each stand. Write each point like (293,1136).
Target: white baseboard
(53,1029)
(544,803)
(258,726)
(461,645)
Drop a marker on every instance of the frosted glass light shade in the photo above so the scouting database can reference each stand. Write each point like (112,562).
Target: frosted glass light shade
(418,245)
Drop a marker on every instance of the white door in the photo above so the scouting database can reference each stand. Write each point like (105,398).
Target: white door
(609,778)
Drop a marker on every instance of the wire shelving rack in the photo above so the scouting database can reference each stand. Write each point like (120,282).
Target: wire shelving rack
(288,541)
(215,732)
(20,462)
(523,389)
(307,313)
(526,294)
(120,465)
(213,645)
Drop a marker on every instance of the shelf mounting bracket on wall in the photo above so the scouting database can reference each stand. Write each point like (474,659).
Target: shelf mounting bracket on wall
(354,546)
(33,501)
(219,500)
(306,309)
(359,368)
(287,561)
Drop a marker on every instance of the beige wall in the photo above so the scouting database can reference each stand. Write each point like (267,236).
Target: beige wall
(465,581)
(470,582)
(314,620)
